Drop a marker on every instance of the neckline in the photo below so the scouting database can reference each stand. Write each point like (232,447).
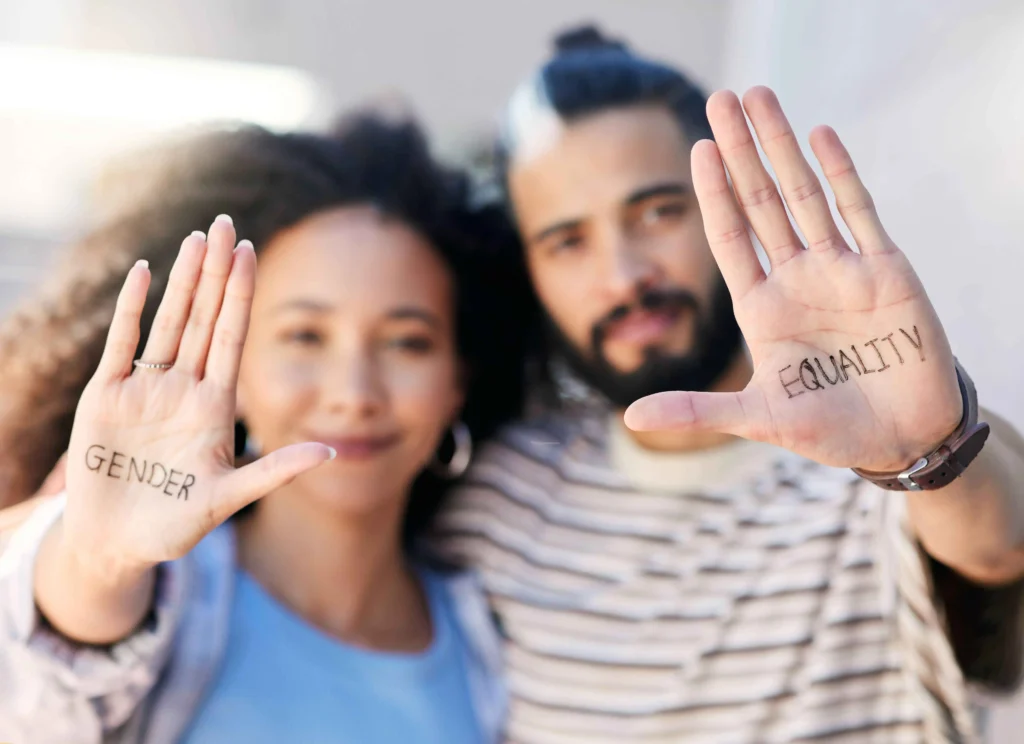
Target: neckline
(318,643)
(715,468)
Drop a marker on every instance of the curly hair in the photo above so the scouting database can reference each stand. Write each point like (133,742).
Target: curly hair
(267,182)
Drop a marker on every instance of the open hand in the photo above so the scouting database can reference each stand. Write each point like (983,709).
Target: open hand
(150,467)
(851,365)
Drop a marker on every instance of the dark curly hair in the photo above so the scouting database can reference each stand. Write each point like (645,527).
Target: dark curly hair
(267,182)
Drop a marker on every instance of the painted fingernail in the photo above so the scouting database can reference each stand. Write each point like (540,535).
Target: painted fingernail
(333,453)
(244,244)
(142,263)
(224,218)
(199,234)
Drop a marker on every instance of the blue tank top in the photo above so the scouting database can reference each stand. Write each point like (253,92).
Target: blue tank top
(284,680)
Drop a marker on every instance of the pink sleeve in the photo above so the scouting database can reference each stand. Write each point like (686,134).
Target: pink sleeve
(53,689)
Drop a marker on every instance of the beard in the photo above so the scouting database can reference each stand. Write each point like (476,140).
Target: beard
(717,339)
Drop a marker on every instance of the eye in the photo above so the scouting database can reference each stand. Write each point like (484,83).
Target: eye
(567,242)
(303,337)
(415,344)
(661,211)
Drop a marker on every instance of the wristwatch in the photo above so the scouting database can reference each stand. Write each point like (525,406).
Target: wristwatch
(950,459)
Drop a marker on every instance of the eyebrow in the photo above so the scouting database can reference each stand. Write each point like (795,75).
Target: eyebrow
(556,228)
(669,188)
(404,312)
(415,313)
(313,305)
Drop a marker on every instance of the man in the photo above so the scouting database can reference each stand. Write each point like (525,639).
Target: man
(716,572)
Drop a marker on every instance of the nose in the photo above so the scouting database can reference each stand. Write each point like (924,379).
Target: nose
(629,268)
(352,384)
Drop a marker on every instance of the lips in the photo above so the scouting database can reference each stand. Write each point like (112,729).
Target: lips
(358,448)
(642,327)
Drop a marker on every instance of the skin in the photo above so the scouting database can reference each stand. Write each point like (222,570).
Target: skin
(610,210)
(586,255)
(352,335)
(327,364)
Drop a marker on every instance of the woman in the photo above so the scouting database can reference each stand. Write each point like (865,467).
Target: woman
(370,332)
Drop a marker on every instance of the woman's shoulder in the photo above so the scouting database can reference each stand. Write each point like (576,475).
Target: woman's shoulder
(458,587)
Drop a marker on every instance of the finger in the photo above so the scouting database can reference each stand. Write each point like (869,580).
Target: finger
(724,224)
(728,413)
(247,484)
(123,336)
(800,186)
(755,190)
(853,201)
(195,341)
(169,323)
(233,322)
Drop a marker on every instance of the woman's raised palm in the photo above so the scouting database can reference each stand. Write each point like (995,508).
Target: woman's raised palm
(150,467)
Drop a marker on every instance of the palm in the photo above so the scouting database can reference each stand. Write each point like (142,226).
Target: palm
(150,464)
(885,399)
(188,431)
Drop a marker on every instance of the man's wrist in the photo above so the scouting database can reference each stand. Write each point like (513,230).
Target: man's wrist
(949,459)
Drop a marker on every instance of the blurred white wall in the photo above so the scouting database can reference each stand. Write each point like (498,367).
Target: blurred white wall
(454,61)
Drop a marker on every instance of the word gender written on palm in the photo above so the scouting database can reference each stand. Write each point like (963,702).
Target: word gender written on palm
(809,373)
(121,466)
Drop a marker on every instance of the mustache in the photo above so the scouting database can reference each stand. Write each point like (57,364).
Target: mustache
(651,300)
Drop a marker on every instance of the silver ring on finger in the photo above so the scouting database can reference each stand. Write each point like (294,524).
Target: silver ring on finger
(152,365)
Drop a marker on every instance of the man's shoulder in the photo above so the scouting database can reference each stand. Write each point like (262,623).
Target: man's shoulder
(550,448)
(544,438)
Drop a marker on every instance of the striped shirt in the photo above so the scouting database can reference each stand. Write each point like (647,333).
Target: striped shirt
(741,595)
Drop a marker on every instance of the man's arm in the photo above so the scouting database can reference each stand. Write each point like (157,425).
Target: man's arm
(975,525)
(852,367)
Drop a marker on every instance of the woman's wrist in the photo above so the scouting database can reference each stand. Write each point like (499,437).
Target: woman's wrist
(87,598)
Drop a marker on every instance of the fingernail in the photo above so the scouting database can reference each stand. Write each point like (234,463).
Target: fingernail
(334,453)
(224,218)
(244,244)
(199,234)
(142,263)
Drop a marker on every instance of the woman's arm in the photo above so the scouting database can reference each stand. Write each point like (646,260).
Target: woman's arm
(89,603)
(150,472)
(57,690)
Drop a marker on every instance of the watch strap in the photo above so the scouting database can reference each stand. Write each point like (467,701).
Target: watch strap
(950,459)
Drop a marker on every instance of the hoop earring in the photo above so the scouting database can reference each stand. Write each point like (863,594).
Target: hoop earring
(245,444)
(459,461)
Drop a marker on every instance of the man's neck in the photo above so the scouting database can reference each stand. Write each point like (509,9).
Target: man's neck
(735,378)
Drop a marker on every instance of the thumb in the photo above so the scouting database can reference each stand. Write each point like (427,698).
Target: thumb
(729,413)
(257,479)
